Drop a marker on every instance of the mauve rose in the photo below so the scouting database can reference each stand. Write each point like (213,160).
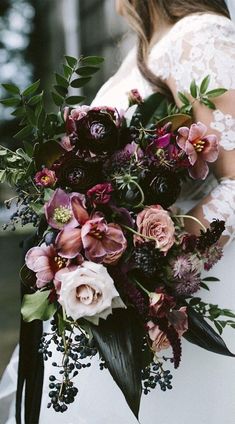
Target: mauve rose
(158,337)
(156,223)
(74,115)
(89,292)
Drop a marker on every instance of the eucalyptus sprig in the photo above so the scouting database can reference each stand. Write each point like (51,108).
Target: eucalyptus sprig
(201,94)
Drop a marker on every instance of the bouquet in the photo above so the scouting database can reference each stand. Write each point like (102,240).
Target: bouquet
(113,267)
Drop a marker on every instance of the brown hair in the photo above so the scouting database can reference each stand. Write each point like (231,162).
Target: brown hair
(142,15)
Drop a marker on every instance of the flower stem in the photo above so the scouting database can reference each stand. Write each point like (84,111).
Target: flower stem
(141,203)
(193,218)
(140,285)
(138,234)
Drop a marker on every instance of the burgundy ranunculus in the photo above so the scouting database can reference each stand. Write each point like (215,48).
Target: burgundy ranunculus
(78,174)
(97,132)
(100,194)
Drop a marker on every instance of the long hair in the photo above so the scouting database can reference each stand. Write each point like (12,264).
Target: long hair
(142,16)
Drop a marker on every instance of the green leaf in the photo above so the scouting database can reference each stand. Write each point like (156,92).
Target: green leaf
(31,88)
(11,88)
(27,276)
(219,327)
(48,153)
(11,101)
(37,306)
(208,103)
(57,99)
(205,84)
(194,89)
(19,112)
(28,148)
(48,193)
(87,70)
(217,92)
(35,99)
(92,60)
(210,279)
(119,340)
(74,100)
(204,286)
(80,82)
(61,90)
(31,116)
(72,61)
(203,335)
(25,132)
(2,175)
(183,98)
(149,108)
(177,121)
(61,80)
(67,71)
(37,207)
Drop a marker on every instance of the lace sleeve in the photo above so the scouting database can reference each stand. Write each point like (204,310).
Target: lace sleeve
(205,45)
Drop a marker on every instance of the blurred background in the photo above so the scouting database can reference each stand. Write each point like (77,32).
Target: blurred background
(34,37)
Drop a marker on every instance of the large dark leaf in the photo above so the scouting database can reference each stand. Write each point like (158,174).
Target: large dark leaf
(203,335)
(151,106)
(119,341)
(48,153)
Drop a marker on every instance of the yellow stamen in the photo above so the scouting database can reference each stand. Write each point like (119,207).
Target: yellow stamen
(62,214)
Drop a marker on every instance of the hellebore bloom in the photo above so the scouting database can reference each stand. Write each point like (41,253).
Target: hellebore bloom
(100,194)
(199,147)
(65,210)
(45,178)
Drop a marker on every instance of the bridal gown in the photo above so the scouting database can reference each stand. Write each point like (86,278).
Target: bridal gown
(204,385)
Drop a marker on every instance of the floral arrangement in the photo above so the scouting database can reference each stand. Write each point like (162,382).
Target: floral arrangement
(113,266)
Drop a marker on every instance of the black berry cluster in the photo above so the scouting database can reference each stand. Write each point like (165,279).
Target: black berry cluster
(155,375)
(211,235)
(74,348)
(148,259)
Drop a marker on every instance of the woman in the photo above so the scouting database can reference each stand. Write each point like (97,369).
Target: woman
(178,41)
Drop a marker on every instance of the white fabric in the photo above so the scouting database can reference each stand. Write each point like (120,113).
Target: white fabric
(231,8)
(204,386)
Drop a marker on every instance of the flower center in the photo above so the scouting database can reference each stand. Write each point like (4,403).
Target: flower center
(60,262)
(87,295)
(62,214)
(45,179)
(199,146)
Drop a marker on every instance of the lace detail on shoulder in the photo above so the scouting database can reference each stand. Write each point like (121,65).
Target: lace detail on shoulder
(222,206)
(225,125)
(202,45)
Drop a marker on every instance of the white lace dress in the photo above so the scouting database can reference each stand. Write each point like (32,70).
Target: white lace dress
(204,385)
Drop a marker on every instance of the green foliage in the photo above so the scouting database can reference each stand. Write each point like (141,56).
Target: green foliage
(13,165)
(37,306)
(200,94)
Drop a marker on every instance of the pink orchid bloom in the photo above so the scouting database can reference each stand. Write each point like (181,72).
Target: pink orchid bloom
(199,147)
(103,242)
(45,262)
(66,210)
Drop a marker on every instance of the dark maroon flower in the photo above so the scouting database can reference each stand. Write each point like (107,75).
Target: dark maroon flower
(77,173)
(100,194)
(162,187)
(97,132)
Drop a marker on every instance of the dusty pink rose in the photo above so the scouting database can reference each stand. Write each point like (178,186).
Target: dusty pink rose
(45,178)
(156,223)
(65,210)
(100,194)
(102,242)
(44,261)
(158,337)
(199,147)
